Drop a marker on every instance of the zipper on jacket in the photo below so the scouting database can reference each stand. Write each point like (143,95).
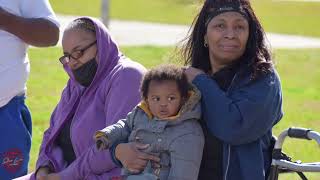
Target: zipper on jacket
(228,163)
(232,82)
(242,70)
(229,148)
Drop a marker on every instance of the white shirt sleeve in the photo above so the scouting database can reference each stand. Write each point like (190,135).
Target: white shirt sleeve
(38,9)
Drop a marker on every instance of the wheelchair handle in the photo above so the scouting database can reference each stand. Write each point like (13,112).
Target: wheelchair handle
(300,133)
(303,167)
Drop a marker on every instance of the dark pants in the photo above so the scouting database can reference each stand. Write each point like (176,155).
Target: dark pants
(15,138)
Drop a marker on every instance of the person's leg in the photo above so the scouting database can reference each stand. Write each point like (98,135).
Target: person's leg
(15,138)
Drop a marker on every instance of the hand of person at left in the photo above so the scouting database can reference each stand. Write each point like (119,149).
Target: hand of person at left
(53,176)
(133,158)
(192,72)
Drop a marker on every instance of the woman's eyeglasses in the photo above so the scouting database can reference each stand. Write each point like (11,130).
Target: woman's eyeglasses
(65,59)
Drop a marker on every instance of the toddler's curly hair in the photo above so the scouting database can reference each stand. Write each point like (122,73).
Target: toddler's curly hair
(167,72)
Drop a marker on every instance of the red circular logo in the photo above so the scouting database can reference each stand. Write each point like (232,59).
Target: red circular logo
(12,160)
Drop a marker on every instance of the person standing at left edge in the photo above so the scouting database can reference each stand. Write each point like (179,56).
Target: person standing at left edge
(22,23)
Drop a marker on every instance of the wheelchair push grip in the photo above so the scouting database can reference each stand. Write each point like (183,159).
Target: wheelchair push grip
(301,133)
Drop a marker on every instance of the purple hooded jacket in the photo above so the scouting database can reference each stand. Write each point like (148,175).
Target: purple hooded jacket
(113,92)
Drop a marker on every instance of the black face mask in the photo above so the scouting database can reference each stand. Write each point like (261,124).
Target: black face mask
(85,73)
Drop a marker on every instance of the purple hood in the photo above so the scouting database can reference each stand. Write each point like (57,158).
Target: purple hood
(112,94)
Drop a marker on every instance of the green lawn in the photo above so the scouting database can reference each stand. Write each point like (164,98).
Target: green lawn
(299,71)
(282,17)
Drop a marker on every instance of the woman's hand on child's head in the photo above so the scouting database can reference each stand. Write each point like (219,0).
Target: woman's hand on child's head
(132,158)
(192,72)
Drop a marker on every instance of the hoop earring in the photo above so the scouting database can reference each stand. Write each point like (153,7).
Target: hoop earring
(205,44)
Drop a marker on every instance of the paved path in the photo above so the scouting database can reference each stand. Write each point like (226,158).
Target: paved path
(131,33)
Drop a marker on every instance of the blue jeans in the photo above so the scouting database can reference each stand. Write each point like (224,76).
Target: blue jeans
(15,138)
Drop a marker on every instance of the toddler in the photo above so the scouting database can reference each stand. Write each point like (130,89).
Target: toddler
(167,120)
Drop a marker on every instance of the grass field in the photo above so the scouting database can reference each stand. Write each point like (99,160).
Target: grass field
(277,16)
(299,71)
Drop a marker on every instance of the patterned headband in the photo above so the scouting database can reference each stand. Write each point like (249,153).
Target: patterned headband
(226,7)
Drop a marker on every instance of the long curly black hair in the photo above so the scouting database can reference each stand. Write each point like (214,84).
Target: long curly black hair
(257,54)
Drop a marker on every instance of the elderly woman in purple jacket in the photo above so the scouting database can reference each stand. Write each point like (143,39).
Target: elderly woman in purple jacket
(103,88)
